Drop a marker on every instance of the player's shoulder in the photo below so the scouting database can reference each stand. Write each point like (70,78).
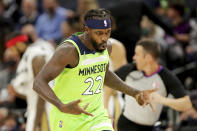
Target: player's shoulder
(66,48)
(66,45)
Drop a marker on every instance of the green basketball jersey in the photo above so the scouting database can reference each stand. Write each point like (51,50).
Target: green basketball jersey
(85,81)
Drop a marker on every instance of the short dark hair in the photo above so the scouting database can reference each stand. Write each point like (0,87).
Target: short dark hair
(178,7)
(97,14)
(74,21)
(150,46)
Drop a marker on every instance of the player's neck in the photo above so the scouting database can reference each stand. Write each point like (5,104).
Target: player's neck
(151,68)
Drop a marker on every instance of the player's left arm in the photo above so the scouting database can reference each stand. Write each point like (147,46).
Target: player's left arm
(114,82)
(117,60)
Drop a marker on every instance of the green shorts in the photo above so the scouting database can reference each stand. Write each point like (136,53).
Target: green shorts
(66,122)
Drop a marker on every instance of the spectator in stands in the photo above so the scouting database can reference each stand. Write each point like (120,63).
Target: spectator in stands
(7,97)
(3,115)
(177,44)
(49,23)
(10,10)
(181,26)
(10,123)
(152,31)
(6,27)
(29,11)
(71,25)
(84,5)
(191,49)
(1,7)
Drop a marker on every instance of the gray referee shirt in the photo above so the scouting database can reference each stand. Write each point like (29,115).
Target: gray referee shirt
(167,83)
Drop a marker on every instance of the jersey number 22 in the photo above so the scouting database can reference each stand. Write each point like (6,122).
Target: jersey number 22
(89,91)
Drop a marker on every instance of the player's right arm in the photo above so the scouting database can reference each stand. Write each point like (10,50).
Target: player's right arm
(65,55)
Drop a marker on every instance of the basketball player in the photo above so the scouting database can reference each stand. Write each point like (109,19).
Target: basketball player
(80,68)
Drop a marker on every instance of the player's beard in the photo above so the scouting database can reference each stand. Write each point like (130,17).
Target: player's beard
(96,46)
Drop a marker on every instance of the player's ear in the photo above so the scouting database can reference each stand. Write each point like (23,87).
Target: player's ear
(86,29)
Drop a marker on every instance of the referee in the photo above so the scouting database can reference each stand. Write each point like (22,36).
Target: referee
(144,75)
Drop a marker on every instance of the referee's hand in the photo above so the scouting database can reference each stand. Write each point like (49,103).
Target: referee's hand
(74,108)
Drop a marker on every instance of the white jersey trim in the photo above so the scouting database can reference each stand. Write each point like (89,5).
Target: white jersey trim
(94,60)
(100,125)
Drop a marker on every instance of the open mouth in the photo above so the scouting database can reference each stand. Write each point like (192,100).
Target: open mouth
(103,46)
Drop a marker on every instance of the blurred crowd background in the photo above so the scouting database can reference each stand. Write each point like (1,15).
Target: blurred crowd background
(172,23)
